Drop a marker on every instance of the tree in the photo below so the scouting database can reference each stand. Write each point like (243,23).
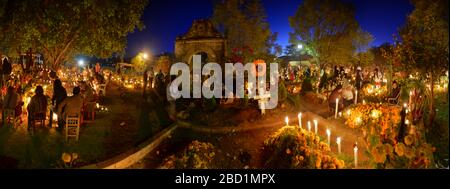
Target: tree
(244,23)
(326,28)
(424,44)
(163,64)
(361,42)
(62,29)
(140,63)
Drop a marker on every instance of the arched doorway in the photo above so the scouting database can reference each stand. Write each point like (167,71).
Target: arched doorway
(204,58)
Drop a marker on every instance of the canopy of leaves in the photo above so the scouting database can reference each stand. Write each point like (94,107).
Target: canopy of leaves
(424,39)
(327,28)
(244,23)
(62,29)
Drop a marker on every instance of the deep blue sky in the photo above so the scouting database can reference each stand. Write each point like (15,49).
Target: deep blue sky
(166,19)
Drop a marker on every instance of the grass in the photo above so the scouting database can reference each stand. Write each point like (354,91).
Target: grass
(99,140)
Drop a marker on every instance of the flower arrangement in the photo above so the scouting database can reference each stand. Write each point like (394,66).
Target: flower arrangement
(295,148)
(381,118)
(380,126)
(372,93)
(197,155)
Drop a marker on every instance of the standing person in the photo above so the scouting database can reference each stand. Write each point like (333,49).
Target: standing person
(159,81)
(358,79)
(151,75)
(335,72)
(97,68)
(59,94)
(377,77)
(145,81)
(37,106)
(170,91)
(71,106)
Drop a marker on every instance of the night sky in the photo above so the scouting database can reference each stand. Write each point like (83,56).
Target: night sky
(167,19)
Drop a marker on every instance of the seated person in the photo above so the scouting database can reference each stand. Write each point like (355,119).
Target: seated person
(347,95)
(71,105)
(37,107)
(336,94)
(394,92)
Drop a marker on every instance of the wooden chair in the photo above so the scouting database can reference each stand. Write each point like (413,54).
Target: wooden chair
(39,118)
(9,117)
(73,127)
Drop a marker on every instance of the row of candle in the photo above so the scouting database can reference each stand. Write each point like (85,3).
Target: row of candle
(328,132)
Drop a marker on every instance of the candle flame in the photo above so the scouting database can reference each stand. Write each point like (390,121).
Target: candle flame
(286,119)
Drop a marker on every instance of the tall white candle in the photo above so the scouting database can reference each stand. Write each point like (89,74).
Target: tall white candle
(356,97)
(315,127)
(300,120)
(336,112)
(338,141)
(309,126)
(286,119)
(355,151)
(328,136)
(410,98)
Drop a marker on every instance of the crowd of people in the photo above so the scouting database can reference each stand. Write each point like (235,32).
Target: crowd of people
(82,97)
(338,82)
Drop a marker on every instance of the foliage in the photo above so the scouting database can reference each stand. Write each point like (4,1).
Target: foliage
(63,29)
(139,62)
(163,64)
(423,45)
(245,25)
(295,148)
(327,28)
(197,155)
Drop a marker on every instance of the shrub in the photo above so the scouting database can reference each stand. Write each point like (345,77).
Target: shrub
(197,155)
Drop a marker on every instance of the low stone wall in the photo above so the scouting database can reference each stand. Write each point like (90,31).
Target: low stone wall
(132,156)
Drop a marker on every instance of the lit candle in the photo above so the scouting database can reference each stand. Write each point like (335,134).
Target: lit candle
(328,136)
(340,114)
(356,97)
(355,151)
(336,112)
(410,98)
(300,120)
(286,119)
(309,126)
(364,101)
(338,141)
(315,126)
